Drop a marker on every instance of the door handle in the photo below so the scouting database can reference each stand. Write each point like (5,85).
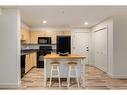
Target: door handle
(87,49)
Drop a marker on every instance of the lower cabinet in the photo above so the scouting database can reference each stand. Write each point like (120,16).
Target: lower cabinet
(27,63)
(30,61)
(33,59)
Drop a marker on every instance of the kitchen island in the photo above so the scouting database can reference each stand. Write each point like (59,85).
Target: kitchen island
(63,60)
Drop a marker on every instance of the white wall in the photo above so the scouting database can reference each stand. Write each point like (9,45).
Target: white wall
(106,23)
(120,46)
(0,11)
(9,48)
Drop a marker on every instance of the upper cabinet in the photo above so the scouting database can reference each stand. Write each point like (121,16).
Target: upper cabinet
(64,33)
(52,35)
(32,37)
(35,34)
(25,35)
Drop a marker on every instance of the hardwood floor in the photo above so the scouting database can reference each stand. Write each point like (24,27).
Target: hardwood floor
(95,79)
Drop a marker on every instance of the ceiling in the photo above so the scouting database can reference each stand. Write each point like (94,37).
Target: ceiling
(66,16)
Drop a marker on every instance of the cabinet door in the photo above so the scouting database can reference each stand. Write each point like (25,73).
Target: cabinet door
(33,59)
(34,36)
(25,35)
(27,63)
(53,36)
(66,33)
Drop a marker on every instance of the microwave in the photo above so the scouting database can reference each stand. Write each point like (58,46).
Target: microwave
(44,40)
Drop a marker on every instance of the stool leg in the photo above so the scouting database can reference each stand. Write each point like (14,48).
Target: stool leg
(50,76)
(76,71)
(68,79)
(58,75)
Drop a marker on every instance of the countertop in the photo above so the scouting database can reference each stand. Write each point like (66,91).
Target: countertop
(57,56)
(28,51)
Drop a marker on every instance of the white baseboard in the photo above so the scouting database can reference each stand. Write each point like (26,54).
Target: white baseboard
(110,75)
(114,76)
(89,64)
(9,85)
(119,76)
(98,68)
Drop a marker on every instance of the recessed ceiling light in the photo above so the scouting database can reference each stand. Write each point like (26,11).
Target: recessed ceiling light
(44,21)
(85,23)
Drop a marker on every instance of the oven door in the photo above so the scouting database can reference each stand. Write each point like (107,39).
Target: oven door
(40,58)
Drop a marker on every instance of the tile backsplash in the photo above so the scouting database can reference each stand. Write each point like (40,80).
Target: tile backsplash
(29,46)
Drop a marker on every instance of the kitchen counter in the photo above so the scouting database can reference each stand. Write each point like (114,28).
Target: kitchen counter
(57,56)
(28,51)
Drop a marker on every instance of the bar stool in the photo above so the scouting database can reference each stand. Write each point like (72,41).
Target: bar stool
(54,67)
(72,67)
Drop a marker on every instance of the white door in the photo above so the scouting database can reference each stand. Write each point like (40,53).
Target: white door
(80,44)
(101,49)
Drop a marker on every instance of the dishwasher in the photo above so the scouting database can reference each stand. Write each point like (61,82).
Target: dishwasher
(23,57)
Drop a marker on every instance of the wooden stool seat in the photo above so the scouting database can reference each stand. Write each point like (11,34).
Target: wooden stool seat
(54,63)
(72,63)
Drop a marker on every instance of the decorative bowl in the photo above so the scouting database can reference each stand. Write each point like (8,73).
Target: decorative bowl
(63,54)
